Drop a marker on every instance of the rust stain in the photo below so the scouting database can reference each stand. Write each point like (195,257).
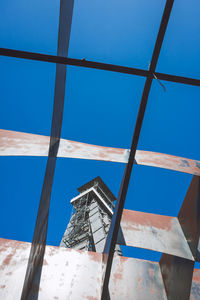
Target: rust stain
(5,243)
(7,260)
(124,259)
(20,140)
(152,273)
(2,286)
(94,256)
(196,275)
(118,274)
(22,135)
(45,262)
(152,289)
(97,147)
(139,281)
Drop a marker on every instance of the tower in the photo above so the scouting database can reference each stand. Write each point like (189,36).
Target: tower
(91,217)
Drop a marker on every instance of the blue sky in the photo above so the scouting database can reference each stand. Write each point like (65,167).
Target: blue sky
(100,107)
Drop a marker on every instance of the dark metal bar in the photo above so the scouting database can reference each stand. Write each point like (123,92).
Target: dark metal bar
(189,216)
(96,65)
(178,79)
(177,276)
(72,62)
(34,267)
(115,224)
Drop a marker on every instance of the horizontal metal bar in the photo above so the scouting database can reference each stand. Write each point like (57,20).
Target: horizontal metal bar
(72,61)
(13,143)
(96,65)
(178,79)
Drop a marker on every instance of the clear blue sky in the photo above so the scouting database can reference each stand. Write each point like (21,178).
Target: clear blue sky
(100,107)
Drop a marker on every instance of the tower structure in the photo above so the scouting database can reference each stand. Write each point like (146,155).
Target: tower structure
(91,217)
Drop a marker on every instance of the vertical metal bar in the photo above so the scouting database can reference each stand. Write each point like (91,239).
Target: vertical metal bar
(34,267)
(189,216)
(114,228)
